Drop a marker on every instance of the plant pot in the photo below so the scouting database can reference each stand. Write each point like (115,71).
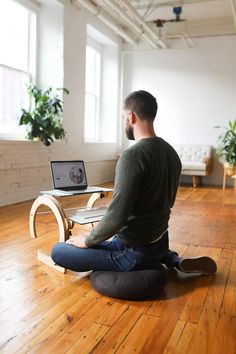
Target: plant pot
(230,169)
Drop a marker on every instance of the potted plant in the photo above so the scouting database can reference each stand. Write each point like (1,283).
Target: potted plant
(44,118)
(227,147)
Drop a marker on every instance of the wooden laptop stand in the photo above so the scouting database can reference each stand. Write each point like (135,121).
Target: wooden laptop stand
(64,223)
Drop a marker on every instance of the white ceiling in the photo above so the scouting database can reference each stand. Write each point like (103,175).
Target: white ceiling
(134,19)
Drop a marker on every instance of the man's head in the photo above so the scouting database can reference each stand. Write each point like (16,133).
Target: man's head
(142,105)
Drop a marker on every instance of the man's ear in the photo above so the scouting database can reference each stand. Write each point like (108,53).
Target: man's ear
(133,118)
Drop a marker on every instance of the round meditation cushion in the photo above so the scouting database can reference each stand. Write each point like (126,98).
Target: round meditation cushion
(133,285)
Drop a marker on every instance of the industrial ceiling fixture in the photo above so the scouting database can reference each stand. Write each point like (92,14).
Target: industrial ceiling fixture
(148,21)
(177,10)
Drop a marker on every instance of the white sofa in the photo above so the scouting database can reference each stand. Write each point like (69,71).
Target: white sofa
(197,160)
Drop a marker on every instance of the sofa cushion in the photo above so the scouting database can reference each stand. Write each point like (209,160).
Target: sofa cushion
(193,173)
(197,166)
(193,153)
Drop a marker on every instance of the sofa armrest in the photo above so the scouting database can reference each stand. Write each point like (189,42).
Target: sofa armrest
(209,165)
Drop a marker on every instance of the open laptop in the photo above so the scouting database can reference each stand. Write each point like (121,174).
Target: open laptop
(69,178)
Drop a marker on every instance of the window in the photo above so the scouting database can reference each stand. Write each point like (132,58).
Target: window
(92,93)
(17,63)
(101,88)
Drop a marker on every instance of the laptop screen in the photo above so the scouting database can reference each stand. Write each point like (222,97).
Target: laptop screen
(68,175)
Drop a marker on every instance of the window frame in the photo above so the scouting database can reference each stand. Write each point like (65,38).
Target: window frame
(98,48)
(32,58)
(108,131)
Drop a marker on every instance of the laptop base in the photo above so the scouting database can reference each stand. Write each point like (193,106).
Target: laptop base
(87,216)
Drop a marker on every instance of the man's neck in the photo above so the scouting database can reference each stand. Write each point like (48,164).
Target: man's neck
(143,129)
(142,134)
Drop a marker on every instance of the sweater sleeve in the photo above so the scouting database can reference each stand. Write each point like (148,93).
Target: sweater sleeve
(128,180)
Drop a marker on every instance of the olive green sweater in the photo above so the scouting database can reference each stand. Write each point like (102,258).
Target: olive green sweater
(146,182)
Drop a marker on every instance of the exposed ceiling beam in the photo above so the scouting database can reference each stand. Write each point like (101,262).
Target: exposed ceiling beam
(131,24)
(108,20)
(30,4)
(233,5)
(134,13)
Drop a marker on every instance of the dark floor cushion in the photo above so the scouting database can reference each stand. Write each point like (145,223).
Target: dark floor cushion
(134,285)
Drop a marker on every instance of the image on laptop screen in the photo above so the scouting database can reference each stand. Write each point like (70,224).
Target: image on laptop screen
(69,175)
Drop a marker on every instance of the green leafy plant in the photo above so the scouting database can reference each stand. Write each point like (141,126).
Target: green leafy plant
(227,144)
(44,118)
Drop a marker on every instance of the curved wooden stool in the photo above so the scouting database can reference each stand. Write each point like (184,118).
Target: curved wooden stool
(65,225)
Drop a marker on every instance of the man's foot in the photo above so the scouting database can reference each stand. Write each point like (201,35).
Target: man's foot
(202,265)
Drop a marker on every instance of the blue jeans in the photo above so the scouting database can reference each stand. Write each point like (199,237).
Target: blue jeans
(114,256)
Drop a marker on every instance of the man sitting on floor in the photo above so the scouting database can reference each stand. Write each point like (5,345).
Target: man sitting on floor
(146,183)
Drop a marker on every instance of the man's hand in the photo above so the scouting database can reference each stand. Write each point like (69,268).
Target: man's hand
(77,241)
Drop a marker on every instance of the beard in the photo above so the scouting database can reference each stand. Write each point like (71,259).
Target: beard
(129,131)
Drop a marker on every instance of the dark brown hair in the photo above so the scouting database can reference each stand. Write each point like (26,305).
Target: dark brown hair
(142,103)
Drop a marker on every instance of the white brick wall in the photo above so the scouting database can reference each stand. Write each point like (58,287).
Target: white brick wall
(24,165)
(100,171)
(25,170)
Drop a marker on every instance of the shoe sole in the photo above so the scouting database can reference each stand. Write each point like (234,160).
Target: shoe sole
(203,265)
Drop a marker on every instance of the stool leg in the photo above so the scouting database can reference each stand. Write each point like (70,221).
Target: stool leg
(94,197)
(44,258)
(64,226)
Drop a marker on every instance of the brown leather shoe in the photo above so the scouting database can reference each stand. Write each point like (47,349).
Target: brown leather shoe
(202,265)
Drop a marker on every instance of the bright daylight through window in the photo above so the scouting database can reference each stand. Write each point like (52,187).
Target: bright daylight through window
(17,63)
(101,88)
(92,93)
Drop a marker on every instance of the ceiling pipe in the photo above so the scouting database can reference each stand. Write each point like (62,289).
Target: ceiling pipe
(132,25)
(150,41)
(132,11)
(233,6)
(189,40)
(105,19)
(123,15)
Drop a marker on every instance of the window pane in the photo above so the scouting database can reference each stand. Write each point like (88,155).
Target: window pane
(93,70)
(14,32)
(90,117)
(102,69)
(97,78)
(13,97)
(17,63)
(90,69)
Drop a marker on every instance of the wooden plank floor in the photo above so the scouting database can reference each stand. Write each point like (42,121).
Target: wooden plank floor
(43,311)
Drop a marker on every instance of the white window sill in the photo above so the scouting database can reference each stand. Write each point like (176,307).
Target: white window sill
(100,142)
(13,137)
